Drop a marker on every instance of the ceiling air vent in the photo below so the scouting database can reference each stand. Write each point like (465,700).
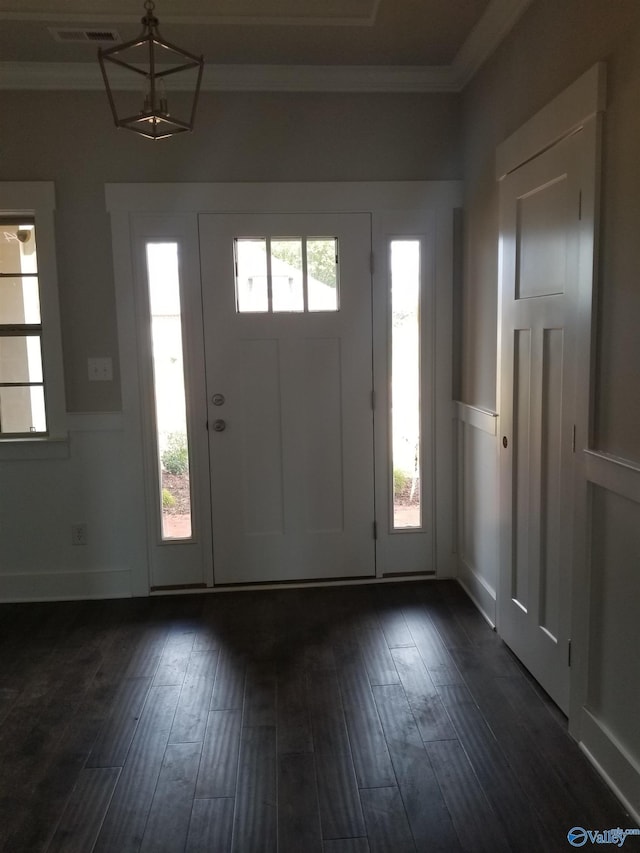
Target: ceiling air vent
(77,34)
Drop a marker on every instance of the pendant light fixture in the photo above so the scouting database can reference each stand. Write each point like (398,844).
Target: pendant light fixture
(148,62)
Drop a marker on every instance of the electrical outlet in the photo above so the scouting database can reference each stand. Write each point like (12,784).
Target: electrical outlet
(100,369)
(78,534)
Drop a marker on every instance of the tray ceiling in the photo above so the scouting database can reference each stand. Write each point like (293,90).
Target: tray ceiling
(448,37)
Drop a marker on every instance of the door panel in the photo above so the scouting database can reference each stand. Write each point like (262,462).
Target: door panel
(540,209)
(259,423)
(292,470)
(316,413)
(542,216)
(522,454)
(551,481)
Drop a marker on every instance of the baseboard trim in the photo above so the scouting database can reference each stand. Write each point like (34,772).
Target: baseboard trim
(478,591)
(65,586)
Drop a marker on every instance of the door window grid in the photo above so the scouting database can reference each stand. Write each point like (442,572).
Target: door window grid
(22,395)
(278,275)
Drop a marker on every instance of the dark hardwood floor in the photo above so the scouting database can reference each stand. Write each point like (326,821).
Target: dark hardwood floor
(337,720)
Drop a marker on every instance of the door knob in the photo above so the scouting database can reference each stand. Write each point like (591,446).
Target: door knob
(219,425)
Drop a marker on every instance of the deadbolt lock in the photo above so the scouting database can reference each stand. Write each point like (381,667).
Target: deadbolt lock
(218,399)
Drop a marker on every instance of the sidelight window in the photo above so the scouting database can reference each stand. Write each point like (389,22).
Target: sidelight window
(405,384)
(169,391)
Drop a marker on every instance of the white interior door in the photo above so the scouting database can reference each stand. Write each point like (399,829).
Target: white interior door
(287,329)
(540,245)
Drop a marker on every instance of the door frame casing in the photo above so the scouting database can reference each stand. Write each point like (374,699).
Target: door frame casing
(435,200)
(435,234)
(195,554)
(579,107)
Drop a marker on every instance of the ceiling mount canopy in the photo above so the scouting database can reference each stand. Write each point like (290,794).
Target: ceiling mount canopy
(152,66)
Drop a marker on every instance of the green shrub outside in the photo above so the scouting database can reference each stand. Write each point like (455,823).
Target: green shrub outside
(175,457)
(168,499)
(401,481)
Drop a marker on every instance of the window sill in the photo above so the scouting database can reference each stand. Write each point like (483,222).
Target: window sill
(18,449)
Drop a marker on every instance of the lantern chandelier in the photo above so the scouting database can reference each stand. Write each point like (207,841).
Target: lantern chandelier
(142,60)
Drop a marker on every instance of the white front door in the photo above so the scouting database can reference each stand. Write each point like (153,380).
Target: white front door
(540,244)
(287,330)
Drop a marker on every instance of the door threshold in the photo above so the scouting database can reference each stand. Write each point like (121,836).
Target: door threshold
(401,575)
(319,582)
(409,577)
(178,587)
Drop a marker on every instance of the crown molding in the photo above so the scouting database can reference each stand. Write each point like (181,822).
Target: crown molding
(327,78)
(86,76)
(498,19)
(97,19)
(56,16)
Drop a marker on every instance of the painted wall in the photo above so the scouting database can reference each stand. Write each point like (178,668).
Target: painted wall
(94,481)
(551,46)
(68,137)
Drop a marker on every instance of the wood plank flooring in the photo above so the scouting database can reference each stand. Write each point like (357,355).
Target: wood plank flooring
(370,719)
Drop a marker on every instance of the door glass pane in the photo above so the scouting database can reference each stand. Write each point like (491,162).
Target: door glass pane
(22,410)
(252,291)
(405,383)
(20,359)
(322,272)
(19,301)
(169,388)
(17,248)
(286,274)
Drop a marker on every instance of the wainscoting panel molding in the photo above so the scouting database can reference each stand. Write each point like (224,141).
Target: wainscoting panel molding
(89,488)
(477,505)
(608,723)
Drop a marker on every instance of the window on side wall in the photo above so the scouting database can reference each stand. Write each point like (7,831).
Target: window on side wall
(31,381)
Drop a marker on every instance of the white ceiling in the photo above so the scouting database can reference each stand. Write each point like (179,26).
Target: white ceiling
(352,45)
